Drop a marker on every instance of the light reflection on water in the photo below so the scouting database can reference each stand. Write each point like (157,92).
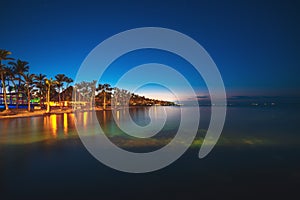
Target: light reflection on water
(258,152)
(244,126)
(66,123)
(53,123)
(36,129)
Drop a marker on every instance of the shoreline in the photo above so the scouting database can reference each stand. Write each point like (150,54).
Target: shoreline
(38,113)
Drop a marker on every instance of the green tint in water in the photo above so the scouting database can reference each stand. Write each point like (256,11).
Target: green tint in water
(258,153)
(258,127)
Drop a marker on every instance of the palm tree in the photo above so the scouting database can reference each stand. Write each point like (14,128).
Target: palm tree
(40,84)
(4,56)
(10,75)
(19,68)
(104,89)
(7,79)
(92,86)
(49,84)
(125,97)
(29,80)
(60,79)
(85,91)
(68,92)
(68,81)
(116,96)
(75,91)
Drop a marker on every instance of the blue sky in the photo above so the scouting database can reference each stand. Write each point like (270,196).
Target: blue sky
(255,44)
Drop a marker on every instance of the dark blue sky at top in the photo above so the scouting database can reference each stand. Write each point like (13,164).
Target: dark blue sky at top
(255,44)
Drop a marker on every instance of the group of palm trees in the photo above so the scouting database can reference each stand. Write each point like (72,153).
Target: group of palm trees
(15,76)
(105,95)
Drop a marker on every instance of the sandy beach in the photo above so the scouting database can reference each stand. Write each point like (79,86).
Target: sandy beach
(25,113)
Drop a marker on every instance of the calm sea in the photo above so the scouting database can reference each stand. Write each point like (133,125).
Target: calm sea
(256,157)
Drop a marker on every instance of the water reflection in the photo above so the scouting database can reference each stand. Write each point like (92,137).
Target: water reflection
(66,123)
(104,117)
(118,116)
(85,116)
(53,124)
(242,130)
(29,153)
(37,129)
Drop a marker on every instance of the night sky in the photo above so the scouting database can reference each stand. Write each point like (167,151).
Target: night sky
(255,44)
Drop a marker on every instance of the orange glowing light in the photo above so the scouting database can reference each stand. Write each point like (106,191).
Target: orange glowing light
(53,123)
(85,119)
(65,123)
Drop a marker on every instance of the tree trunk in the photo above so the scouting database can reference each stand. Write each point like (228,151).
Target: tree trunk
(74,99)
(104,101)
(91,104)
(92,99)
(116,101)
(59,99)
(48,99)
(41,96)
(62,95)
(18,92)
(9,91)
(41,102)
(17,95)
(4,91)
(17,99)
(28,99)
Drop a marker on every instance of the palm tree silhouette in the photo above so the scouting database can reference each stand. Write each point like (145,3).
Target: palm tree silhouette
(40,84)
(49,84)
(104,89)
(4,56)
(12,78)
(29,83)
(19,68)
(68,92)
(60,79)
